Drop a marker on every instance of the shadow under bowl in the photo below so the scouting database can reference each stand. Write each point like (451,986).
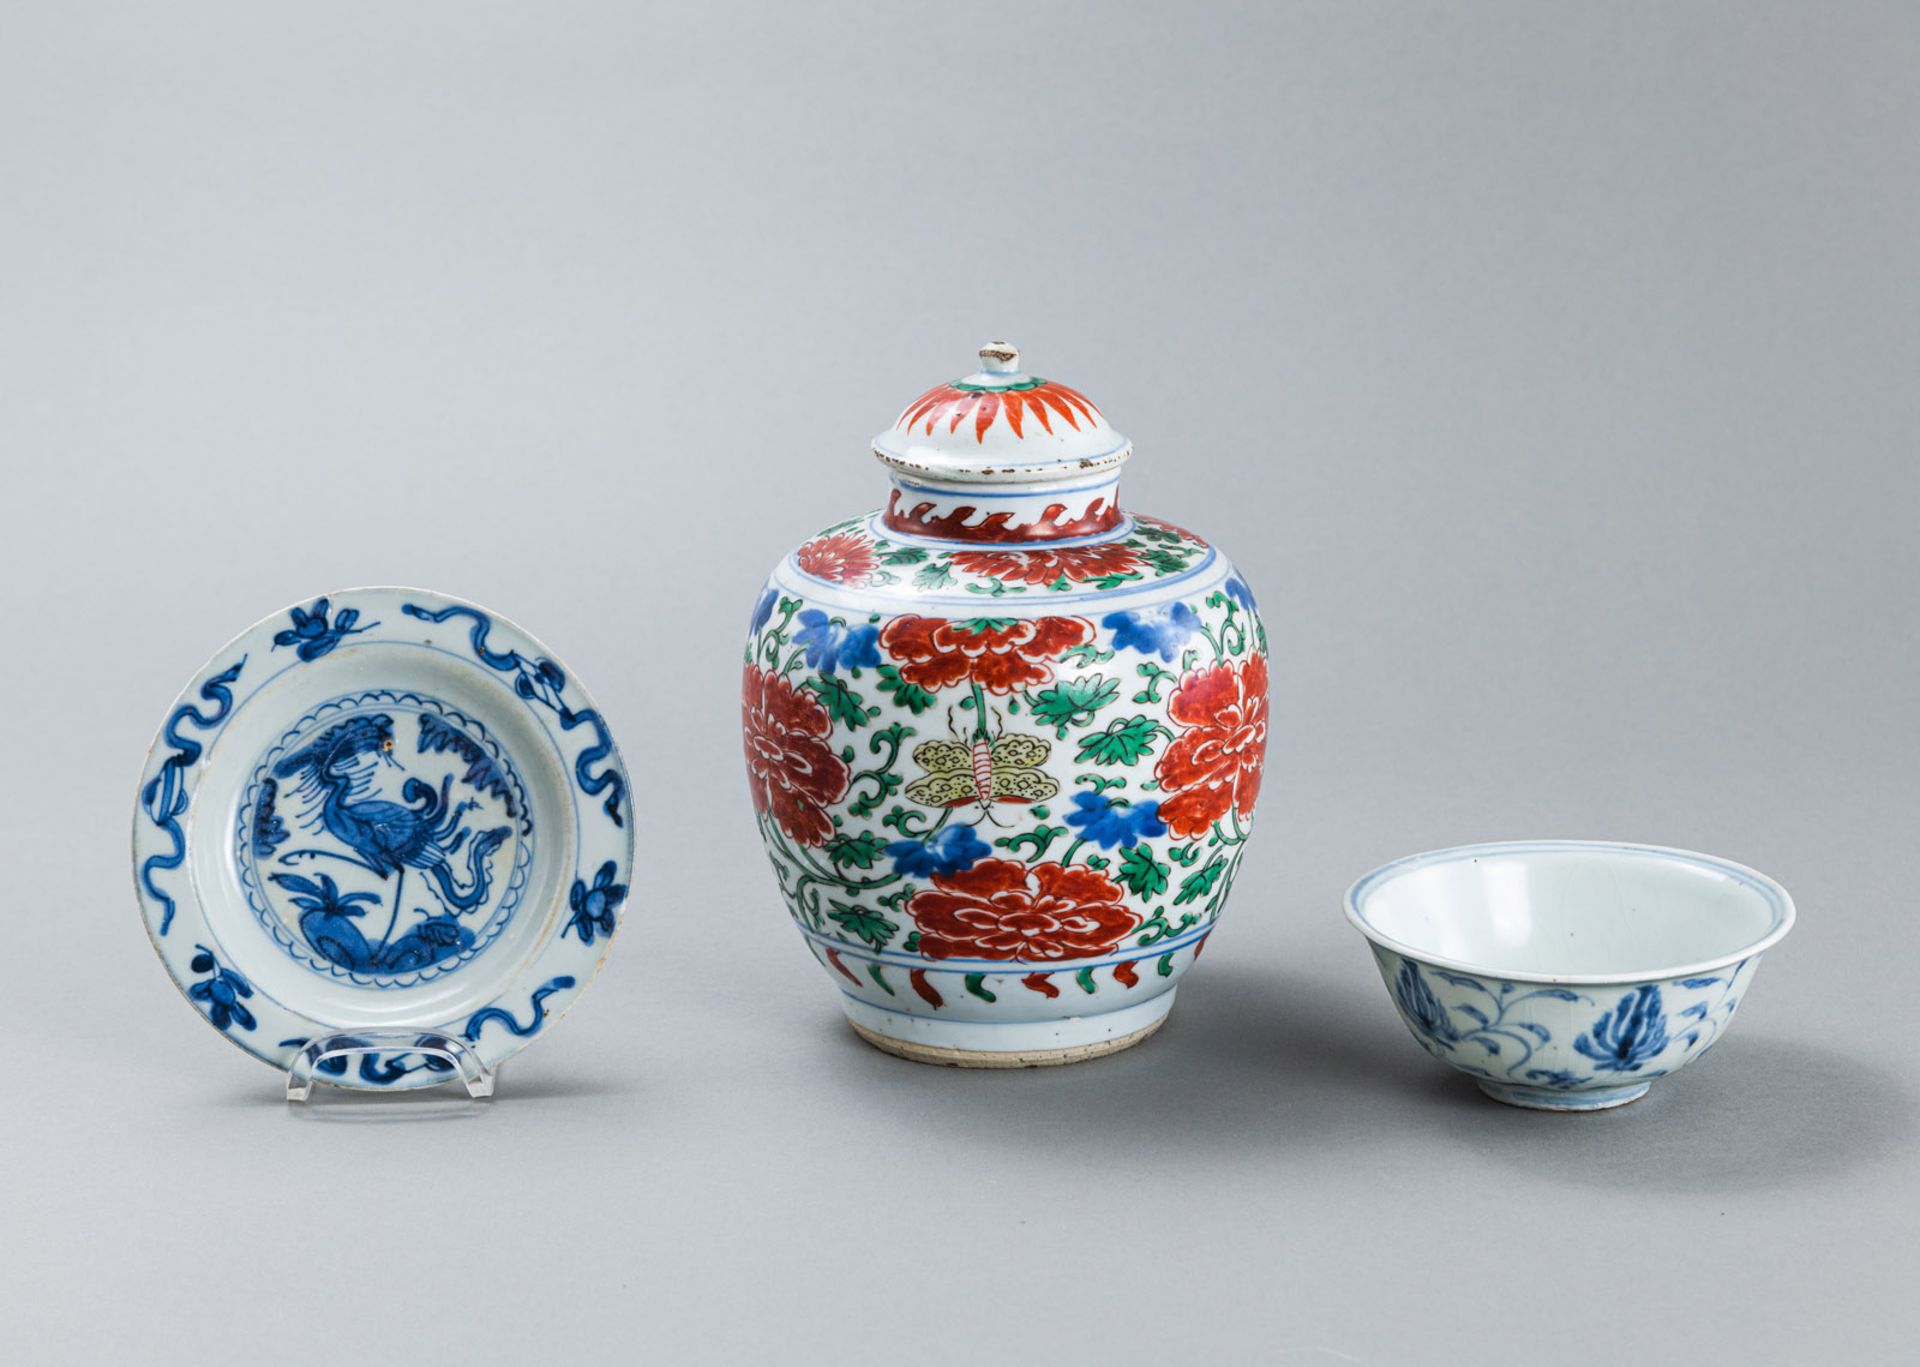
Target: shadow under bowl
(1567,975)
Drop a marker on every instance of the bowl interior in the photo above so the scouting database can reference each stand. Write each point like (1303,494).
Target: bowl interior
(1571,909)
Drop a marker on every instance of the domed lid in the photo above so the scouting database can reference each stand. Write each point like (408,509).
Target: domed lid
(1001,425)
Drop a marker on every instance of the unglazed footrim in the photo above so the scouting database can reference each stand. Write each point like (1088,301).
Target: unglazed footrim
(1027,1044)
(1025,1058)
(1547,1099)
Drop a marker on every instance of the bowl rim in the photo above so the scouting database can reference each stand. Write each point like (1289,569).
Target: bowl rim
(1776,896)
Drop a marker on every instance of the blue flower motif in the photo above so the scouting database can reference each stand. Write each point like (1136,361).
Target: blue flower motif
(313,636)
(763,611)
(830,644)
(594,907)
(953,850)
(1626,1037)
(328,920)
(1108,823)
(1161,631)
(1422,1008)
(1236,589)
(223,992)
(1557,1078)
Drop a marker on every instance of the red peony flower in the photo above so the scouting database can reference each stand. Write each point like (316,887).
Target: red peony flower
(1002,655)
(842,558)
(1214,765)
(1045,567)
(791,770)
(1001,909)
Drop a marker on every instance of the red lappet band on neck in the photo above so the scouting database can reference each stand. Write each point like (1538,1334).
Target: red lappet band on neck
(955,518)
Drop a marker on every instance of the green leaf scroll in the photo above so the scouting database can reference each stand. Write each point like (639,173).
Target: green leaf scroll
(842,703)
(860,851)
(869,925)
(909,695)
(1144,876)
(1072,702)
(1125,741)
(1197,885)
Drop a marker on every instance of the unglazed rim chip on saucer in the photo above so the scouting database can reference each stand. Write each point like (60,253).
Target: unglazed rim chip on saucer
(383,811)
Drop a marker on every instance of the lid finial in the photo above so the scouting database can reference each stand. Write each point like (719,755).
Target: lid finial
(1000,358)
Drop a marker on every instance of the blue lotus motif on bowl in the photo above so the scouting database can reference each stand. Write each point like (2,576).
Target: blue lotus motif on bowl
(1564,1022)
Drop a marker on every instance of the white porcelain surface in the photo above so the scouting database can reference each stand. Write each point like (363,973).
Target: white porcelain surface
(1567,975)
(1553,910)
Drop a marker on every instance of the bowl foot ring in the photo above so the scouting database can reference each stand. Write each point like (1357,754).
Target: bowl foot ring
(1552,1099)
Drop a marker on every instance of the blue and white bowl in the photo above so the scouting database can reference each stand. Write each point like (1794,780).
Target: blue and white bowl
(1567,975)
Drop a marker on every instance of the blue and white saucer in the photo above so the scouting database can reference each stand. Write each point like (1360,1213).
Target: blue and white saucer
(385,811)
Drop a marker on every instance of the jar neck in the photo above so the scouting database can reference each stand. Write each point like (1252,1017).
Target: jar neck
(993,513)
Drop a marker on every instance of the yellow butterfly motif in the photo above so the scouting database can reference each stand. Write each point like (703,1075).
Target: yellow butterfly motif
(1003,769)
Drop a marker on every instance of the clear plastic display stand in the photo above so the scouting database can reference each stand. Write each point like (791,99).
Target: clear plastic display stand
(455,1057)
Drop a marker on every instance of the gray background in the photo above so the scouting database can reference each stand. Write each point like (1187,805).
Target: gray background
(1550,370)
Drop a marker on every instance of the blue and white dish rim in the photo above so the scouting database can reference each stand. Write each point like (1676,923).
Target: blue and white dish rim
(588,875)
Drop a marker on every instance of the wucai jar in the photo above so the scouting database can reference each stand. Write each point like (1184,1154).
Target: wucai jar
(1004,737)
